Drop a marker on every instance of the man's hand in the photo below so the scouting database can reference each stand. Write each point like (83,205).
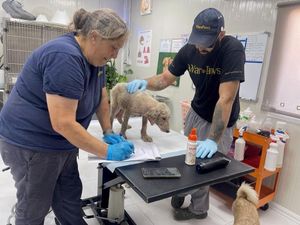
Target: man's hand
(120,151)
(206,148)
(136,85)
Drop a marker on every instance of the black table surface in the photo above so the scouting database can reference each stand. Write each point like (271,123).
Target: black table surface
(159,188)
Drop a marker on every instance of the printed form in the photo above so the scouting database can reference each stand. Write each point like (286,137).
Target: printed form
(143,151)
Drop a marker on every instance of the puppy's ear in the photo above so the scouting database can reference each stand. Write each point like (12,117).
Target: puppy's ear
(151,121)
(151,115)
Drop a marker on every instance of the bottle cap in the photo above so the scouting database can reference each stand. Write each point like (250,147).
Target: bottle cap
(193,135)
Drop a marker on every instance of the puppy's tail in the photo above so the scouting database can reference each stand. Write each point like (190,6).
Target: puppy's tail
(247,192)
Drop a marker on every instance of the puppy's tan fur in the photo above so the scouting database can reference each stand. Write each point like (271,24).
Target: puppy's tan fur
(138,104)
(244,206)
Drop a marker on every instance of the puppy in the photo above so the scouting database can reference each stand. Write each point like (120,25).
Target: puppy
(138,104)
(244,207)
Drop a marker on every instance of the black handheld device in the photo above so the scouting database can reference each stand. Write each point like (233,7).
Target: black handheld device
(212,164)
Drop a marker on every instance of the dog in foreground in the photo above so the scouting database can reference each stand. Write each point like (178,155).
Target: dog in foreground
(244,207)
(140,103)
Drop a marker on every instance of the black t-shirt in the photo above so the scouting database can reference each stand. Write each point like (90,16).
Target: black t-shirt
(225,63)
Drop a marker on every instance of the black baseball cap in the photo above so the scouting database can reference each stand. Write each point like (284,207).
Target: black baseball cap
(207,26)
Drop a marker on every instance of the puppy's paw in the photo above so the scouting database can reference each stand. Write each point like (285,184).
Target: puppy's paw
(123,135)
(146,138)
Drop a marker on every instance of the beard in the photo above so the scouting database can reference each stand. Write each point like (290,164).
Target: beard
(216,46)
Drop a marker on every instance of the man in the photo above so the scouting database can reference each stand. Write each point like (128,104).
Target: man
(216,66)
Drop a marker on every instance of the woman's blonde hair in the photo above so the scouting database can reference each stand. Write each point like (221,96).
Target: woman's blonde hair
(105,21)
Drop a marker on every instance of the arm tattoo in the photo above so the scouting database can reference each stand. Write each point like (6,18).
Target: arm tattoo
(157,84)
(218,125)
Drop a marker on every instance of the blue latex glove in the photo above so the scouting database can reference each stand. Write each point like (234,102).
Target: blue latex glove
(112,138)
(120,151)
(136,85)
(206,148)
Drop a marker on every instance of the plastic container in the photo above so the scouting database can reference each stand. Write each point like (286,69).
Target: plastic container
(281,146)
(282,138)
(271,157)
(41,18)
(267,125)
(190,157)
(61,17)
(239,148)
(253,125)
(116,203)
(280,126)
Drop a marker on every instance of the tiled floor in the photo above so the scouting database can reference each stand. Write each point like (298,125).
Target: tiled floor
(156,213)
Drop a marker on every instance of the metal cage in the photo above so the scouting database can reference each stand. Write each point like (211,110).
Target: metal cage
(20,38)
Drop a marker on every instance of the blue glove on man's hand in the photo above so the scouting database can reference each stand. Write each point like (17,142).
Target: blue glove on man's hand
(120,151)
(206,148)
(136,85)
(112,138)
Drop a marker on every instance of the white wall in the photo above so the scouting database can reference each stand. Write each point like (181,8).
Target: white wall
(172,18)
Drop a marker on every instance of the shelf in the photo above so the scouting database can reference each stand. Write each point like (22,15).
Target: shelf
(266,194)
(255,139)
(265,173)
(263,143)
(227,191)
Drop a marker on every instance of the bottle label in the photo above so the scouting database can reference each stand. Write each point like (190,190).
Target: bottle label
(239,149)
(271,159)
(190,157)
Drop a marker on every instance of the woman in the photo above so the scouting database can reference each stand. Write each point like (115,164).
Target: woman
(44,121)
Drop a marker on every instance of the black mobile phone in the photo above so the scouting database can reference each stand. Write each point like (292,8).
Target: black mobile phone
(161,172)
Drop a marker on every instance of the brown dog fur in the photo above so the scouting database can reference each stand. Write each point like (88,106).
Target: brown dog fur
(138,104)
(244,207)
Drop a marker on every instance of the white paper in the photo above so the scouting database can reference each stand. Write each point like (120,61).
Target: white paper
(143,151)
(177,44)
(165,45)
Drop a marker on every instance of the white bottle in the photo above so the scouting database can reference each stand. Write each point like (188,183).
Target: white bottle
(280,126)
(190,157)
(281,145)
(271,157)
(239,148)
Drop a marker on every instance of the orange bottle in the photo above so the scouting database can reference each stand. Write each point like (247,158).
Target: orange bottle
(190,157)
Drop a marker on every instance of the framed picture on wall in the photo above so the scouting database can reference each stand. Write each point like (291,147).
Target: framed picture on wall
(164,60)
(146,7)
(167,52)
